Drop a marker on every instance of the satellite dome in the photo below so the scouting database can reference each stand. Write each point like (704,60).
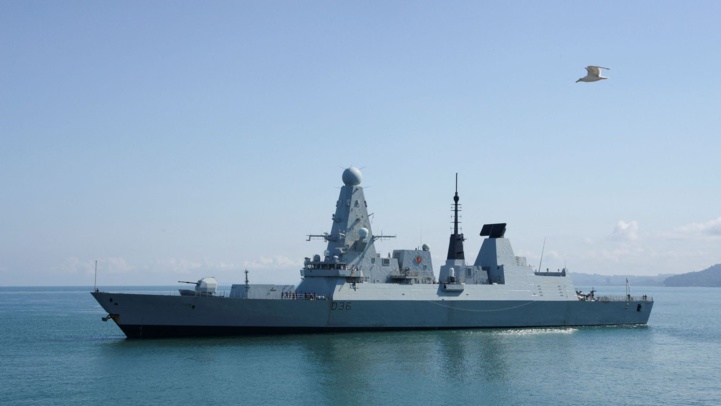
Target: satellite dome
(363,233)
(352,176)
(426,247)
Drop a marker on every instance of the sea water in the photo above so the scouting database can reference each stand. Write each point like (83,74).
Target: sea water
(54,350)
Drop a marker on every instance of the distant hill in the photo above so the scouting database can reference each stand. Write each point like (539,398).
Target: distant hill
(710,277)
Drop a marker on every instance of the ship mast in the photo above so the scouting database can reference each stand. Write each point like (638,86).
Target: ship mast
(455,245)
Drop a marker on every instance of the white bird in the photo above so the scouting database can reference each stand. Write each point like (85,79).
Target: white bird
(594,74)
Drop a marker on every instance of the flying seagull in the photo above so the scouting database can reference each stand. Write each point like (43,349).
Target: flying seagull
(594,74)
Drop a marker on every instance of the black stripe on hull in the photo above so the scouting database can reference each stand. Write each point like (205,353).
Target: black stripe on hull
(144,332)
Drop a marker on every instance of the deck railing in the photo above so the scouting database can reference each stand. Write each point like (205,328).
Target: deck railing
(302,296)
(627,298)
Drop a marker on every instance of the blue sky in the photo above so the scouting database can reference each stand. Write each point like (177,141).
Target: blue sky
(176,140)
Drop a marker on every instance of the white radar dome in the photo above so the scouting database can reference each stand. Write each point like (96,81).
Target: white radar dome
(352,176)
(363,233)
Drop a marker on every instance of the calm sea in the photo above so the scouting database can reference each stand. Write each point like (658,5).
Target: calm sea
(54,349)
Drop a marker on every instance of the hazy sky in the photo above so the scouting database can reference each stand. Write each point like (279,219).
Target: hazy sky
(176,140)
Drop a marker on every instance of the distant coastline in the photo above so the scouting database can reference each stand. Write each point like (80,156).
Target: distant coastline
(710,277)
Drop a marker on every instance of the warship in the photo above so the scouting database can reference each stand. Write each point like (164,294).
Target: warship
(352,287)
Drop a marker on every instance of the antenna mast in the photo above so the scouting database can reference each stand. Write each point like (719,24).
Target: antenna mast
(455,246)
(455,208)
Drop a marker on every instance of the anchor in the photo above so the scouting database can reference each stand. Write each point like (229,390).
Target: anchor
(111,316)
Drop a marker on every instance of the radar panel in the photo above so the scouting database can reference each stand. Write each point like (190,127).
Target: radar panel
(497,230)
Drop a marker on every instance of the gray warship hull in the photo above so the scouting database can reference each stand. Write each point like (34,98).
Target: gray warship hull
(155,316)
(351,287)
